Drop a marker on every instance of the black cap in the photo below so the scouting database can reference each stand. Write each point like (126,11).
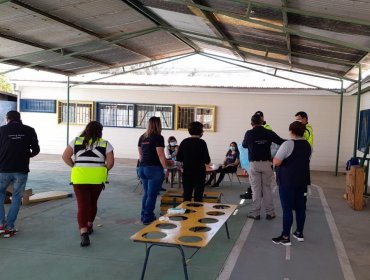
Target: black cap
(259,113)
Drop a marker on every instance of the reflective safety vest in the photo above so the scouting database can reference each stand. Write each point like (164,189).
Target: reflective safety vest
(308,134)
(267,126)
(89,166)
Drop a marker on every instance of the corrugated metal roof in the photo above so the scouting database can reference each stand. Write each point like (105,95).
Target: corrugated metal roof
(80,36)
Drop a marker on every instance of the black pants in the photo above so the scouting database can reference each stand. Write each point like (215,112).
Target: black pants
(193,183)
(222,172)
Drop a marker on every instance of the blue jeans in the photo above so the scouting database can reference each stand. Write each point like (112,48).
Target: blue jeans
(152,179)
(18,180)
(292,197)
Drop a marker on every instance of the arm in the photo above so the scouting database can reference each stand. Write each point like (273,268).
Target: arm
(140,153)
(276,161)
(276,138)
(245,143)
(167,153)
(67,156)
(110,160)
(162,158)
(34,146)
(207,158)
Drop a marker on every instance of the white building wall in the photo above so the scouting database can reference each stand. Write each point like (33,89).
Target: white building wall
(234,110)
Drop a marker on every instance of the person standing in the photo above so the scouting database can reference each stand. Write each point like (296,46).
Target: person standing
(18,143)
(258,141)
(93,158)
(293,174)
(151,167)
(264,123)
(193,153)
(308,134)
(248,193)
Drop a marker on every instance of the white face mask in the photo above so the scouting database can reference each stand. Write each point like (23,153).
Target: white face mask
(173,144)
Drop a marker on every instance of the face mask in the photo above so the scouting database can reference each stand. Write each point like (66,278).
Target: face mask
(173,144)
(232,148)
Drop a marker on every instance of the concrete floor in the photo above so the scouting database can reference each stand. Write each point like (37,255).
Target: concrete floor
(47,246)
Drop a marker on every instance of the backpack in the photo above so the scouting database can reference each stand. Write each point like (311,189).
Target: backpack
(352,162)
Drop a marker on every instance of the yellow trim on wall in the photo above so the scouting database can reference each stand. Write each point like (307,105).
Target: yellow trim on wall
(209,107)
(92,113)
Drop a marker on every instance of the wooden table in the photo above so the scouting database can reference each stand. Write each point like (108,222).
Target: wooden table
(194,229)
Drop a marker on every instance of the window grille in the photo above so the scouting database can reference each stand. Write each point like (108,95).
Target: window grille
(190,113)
(145,111)
(115,114)
(38,105)
(79,113)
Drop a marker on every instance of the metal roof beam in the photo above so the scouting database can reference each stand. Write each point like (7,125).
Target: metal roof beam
(40,46)
(133,70)
(266,49)
(74,26)
(211,18)
(88,49)
(262,57)
(304,12)
(287,35)
(112,38)
(278,68)
(274,26)
(139,7)
(41,68)
(273,75)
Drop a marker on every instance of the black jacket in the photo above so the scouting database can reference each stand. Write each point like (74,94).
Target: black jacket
(258,141)
(18,143)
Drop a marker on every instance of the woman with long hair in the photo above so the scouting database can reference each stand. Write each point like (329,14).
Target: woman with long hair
(293,175)
(230,165)
(151,167)
(92,158)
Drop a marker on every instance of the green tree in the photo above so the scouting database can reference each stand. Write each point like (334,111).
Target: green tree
(4,85)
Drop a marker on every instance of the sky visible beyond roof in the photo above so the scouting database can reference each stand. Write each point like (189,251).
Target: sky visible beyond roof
(195,70)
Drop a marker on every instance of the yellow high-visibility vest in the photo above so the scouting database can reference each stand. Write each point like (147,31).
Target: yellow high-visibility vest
(89,166)
(308,134)
(267,126)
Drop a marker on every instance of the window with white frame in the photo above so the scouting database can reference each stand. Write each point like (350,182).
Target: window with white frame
(116,114)
(145,111)
(79,112)
(186,114)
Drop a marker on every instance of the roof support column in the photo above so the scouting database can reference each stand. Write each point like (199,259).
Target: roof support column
(357,109)
(68,92)
(340,126)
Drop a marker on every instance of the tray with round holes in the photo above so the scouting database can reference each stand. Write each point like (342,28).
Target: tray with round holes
(195,228)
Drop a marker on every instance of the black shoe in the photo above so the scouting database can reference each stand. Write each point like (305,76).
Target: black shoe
(281,240)
(246,195)
(215,186)
(163,190)
(258,217)
(299,236)
(270,217)
(207,184)
(90,229)
(85,240)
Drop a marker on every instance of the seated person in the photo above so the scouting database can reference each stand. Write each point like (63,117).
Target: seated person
(170,152)
(171,149)
(230,165)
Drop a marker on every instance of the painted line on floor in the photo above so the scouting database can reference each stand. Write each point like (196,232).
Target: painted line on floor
(338,243)
(309,190)
(286,278)
(235,252)
(274,189)
(287,253)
